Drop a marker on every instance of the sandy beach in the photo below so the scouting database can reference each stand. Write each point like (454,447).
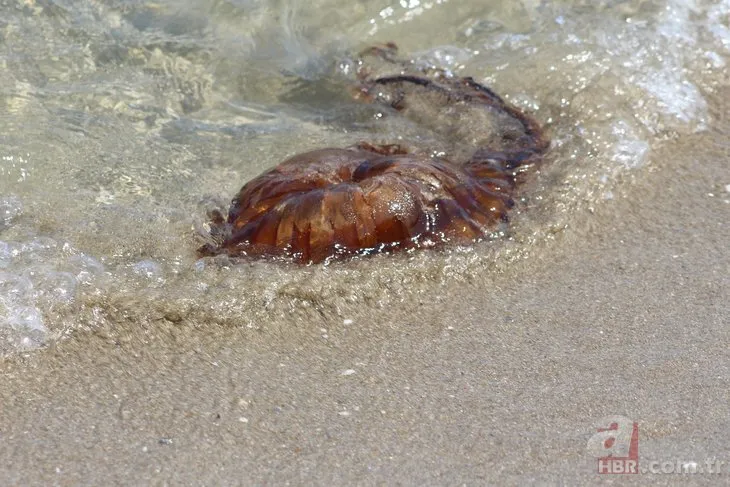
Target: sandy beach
(604,303)
(625,313)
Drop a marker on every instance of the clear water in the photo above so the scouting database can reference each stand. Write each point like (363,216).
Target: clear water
(124,121)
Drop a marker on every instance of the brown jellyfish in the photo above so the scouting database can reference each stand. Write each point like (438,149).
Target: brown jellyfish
(372,198)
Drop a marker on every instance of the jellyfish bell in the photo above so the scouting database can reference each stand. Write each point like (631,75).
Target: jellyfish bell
(339,202)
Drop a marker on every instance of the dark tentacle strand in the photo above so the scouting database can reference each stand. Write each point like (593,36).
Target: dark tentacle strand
(533,142)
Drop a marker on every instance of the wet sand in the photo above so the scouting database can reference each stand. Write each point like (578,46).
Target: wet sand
(499,380)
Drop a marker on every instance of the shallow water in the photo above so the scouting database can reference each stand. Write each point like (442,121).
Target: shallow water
(124,121)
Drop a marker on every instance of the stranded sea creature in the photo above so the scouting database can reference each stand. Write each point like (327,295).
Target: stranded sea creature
(372,198)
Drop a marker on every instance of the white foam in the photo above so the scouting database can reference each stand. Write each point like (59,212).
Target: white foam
(5,254)
(717,20)
(149,269)
(39,280)
(629,149)
(10,208)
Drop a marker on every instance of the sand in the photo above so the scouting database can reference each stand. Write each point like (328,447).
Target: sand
(501,380)
(496,366)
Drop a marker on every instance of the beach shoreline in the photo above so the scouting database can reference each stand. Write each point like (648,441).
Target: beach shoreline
(498,380)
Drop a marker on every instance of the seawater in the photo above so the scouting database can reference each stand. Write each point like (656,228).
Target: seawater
(123,122)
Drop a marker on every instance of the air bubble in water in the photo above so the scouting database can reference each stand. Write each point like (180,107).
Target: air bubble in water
(55,286)
(14,287)
(10,208)
(85,268)
(26,318)
(5,255)
(149,269)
